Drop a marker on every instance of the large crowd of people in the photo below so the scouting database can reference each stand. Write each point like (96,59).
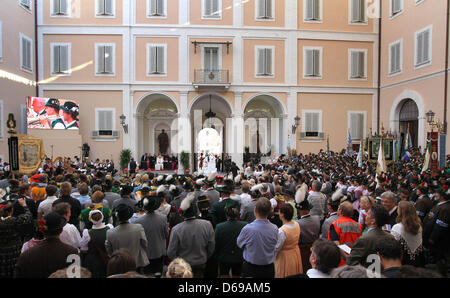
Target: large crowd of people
(304,216)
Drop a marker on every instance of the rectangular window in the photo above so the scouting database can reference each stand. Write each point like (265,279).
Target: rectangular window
(357,124)
(264,9)
(311,123)
(358,64)
(157,59)
(105,7)
(61,58)
(105,119)
(423,47)
(105,57)
(395,57)
(265,61)
(358,11)
(312,62)
(212,9)
(26,53)
(60,7)
(157,8)
(396,7)
(312,10)
(26,4)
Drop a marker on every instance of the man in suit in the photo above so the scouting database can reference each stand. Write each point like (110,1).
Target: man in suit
(48,257)
(211,193)
(128,236)
(389,202)
(309,231)
(376,218)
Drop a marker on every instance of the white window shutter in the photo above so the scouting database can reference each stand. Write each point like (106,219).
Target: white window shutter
(160,8)
(63,6)
(356,10)
(309,9)
(268,54)
(160,59)
(269,12)
(1,41)
(397,57)
(308,122)
(101,59)
(356,125)
(215,8)
(1,120)
(64,59)
(55,65)
(316,9)
(426,49)
(24,119)
(316,63)
(105,120)
(420,49)
(208,7)
(100,7)
(315,122)
(261,8)
(109,59)
(261,61)
(108,7)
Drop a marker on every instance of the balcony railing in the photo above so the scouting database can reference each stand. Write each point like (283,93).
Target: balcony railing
(204,77)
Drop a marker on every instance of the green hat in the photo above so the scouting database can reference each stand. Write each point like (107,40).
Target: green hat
(53,103)
(151,203)
(124,212)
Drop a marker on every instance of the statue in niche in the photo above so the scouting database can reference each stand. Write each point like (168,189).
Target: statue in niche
(163,140)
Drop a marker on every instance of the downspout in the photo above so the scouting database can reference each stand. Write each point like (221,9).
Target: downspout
(379,68)
(36,56)
(446,67)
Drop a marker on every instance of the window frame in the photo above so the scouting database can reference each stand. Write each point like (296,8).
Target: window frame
(97,118)
(28,9)
(430,47)
(349,122)
(69,62)
(391,74)
(320,76)
(112,16)
(320,125)
(219,5)
(69,10)
(402,9)
(149,16)
(23,36)
(350,13)
(262,76)
(148,46)
(272,19)
(320,20)
(113,66)
(350,51)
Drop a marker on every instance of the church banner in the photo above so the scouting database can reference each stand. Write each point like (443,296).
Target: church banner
(434,151)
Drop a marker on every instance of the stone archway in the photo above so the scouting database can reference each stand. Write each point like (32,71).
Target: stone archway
(265,125)
(154,112)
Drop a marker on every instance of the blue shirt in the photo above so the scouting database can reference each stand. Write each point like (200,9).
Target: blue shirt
(83,200)
(258,240)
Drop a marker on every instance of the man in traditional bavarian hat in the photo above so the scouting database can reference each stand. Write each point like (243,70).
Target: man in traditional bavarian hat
(52,108)
(70,114)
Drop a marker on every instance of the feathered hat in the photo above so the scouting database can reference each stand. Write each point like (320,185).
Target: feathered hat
(187,208)
(211,179)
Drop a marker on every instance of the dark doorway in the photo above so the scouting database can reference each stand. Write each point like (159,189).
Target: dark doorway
(409,119)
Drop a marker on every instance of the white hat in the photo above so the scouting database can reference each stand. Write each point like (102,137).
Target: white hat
(257,187)
(93,212)
(273,203)
(300,195)
(160,189)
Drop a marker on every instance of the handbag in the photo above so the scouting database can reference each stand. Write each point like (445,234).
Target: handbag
(105,258)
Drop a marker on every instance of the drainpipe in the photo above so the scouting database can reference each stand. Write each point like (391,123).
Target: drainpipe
(379,67)
(36,56)
(446,67)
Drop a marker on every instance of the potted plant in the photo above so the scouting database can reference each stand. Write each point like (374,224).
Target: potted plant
(125,157)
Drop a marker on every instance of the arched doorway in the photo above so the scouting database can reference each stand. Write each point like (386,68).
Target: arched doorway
(209,110)
(409,120)
(155,114)
(264,127)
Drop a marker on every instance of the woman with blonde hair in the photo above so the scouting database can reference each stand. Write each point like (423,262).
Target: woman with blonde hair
(408,231)
(179,268)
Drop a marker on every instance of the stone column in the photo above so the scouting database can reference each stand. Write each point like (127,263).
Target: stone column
(235,132)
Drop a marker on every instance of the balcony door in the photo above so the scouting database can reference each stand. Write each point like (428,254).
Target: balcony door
(211,64)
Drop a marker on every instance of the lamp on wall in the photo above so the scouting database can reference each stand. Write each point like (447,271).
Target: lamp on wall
(296,124)
(122,122)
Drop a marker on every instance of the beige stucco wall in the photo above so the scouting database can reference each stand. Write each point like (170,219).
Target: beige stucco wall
(82,13)
(83,66)
(412,19)
(172,13)
(195,57)
(335,18)
(172,58)
(250,15)
(14,20)
(249,58)
(335,63)
(334,109)
(197,95)
(195,14)
(138,96)
(89,101)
